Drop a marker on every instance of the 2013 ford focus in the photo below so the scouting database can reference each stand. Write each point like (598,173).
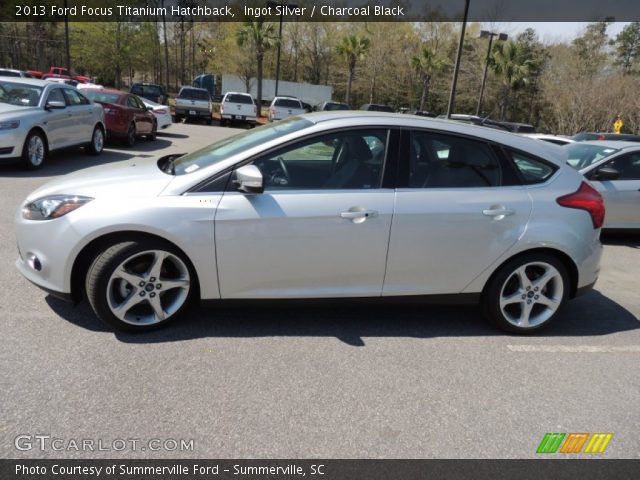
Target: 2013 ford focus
(328,205)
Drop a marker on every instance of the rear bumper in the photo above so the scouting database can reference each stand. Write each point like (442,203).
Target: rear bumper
(187,112)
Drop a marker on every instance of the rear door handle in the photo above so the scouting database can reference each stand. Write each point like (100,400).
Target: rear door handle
(498,212)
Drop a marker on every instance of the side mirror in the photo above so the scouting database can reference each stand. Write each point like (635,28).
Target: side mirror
(248,179)
(606,173)
(55,105)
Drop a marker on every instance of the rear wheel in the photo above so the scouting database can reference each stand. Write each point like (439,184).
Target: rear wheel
(34,152)
(97,141)
(526,294)
(130,139)
(139,285)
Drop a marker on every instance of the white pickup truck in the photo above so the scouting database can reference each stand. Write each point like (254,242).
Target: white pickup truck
(238,107)
(193,102)
(283,107)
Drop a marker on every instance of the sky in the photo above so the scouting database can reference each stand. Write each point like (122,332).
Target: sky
(553,32)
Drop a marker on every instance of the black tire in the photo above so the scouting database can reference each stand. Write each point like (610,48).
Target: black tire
(34,151)
(154,132)
(103,289)
(209,121)
(526,306)
(130,139)
(96,145)
(177,118)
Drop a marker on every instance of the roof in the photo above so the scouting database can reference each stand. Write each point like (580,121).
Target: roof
(28,81)
(617,144)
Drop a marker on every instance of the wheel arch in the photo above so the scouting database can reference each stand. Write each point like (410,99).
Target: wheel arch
(41,131)
(89,252)
(567,261)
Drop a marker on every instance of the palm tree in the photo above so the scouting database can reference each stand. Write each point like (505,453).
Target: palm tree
(262,36)
(352,49)
(511,64)
(426,63)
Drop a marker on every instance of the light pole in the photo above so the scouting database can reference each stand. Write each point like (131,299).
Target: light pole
(484,34)
(454,82)
(271,3)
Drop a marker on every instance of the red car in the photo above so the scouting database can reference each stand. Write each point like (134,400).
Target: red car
(61,72)
(125,115)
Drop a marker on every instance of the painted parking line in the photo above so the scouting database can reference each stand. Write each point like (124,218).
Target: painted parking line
(575,348)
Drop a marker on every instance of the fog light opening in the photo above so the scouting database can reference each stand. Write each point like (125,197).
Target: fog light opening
(34,262)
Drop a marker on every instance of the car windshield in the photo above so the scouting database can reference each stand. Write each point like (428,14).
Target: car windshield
(102,96)
(287,103)
(20,94)
(581,156)
(228,147)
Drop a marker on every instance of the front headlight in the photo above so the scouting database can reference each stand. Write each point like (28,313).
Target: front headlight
(53,206)
(9,124)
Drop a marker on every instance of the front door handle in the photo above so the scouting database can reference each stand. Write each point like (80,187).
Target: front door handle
(498,212)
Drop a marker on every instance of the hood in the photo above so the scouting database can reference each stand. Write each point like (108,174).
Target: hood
(131,179)
(8,109)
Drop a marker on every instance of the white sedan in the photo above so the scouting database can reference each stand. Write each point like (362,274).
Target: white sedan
(161,112)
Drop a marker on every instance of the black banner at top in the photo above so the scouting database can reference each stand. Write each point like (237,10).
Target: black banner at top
(320,10)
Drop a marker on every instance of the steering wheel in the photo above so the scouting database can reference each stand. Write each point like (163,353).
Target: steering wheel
(283,167)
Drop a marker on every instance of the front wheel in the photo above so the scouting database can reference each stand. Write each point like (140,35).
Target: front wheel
(34,151)
(139,285)
(526,293)
(154,131)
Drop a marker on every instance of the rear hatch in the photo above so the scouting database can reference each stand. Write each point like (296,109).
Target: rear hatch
(286,107)
(238,107)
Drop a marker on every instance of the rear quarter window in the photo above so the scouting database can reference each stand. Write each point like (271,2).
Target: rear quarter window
(532,170)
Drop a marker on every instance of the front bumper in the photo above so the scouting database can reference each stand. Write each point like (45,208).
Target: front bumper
(11,142)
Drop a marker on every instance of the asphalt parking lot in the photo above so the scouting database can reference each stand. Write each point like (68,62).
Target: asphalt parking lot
(341,382)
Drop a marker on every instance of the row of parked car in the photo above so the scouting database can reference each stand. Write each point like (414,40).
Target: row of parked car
(40,116)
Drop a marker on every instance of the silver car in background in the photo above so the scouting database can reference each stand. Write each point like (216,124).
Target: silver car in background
(326,205)
(613,167)
(38,116)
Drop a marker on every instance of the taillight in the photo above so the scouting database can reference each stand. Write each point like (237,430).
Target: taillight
(222,108)
(255,109)
(586,198)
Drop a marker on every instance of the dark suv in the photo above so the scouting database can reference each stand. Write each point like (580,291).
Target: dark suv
(150,91)
(376,107)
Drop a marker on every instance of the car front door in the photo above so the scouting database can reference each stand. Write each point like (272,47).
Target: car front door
(139,112)
(321,227)
(621,196)
(58,122)
(454,217)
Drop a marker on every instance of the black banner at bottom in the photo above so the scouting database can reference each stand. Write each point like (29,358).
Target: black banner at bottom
(117,469)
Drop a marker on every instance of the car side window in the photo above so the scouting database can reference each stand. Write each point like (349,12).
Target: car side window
(74,98)
(627,165)
(340,160)
(56,95)
(131,102)
(444,161)
(532,170)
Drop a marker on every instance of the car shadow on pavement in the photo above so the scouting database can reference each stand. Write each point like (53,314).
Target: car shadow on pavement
(67,161)
(629,239)
(590,315)
(163,133)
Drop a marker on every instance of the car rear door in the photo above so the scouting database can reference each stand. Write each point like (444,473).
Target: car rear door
(621,196)
(458,209)
(139,112)
(321,227)
(81,114)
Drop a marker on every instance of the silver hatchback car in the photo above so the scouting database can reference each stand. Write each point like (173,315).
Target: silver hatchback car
(327,205)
